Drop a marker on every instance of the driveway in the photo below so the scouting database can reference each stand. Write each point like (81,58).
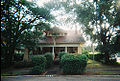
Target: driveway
(62,78)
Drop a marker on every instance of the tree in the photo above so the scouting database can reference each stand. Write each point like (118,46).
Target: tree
(18,17)
(116,42)
(100,22)
(66,12)
(99,19)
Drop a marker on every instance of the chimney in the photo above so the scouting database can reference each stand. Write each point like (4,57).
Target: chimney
(76,29)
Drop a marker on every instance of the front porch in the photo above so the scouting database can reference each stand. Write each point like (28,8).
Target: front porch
(55,49)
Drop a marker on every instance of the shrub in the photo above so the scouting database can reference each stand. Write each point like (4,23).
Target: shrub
(85,52)
(39,63)
(73,64)
(37,70)
(60,54)
(49,58)
(38,60)
(18,57)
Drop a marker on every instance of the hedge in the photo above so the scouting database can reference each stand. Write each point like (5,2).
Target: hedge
(39,63)
(73,64)
(60,54)
(49,58)
(37,70)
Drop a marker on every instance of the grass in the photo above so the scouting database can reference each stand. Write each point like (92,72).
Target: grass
(102,69)
(95,64)
(109,73)
(11,74)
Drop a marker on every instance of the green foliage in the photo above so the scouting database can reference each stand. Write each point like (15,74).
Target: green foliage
(37,70)
(101,58)
(53,5)
(116,42)
(96,57)
(49,58)
(98,18)
(85,52)
(41,13)
(73,64)
(16,26)
(95,17)
(60,54)
(39,63)
(18,57)
(38,60)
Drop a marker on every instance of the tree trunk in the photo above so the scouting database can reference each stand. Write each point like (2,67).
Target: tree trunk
(106,52)
(26,56)
(107,61)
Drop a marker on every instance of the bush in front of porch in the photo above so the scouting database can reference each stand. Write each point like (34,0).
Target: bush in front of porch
(73,64)
(49,58)
(39,64)
(60,54)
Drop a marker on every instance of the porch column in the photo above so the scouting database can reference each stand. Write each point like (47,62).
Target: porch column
(53,50)
(41,48)
(66,49)
(79,50)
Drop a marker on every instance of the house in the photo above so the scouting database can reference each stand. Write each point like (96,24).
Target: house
(58,40)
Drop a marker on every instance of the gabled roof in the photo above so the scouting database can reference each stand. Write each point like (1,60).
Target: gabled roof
(69,36)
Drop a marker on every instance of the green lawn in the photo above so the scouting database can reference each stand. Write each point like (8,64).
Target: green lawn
(102,69)
(95,64)
(109,73)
